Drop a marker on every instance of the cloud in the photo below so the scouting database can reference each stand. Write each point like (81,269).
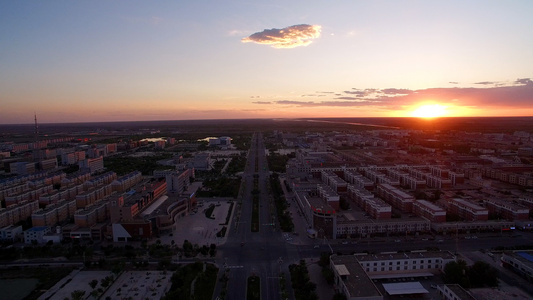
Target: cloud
(486,82)
(525,81)
(288,37)
(323,103)
(510,95)
(397,91)
(236,32)
(262,102)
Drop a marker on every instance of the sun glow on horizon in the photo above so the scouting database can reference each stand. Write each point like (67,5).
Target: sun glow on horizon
(430,111)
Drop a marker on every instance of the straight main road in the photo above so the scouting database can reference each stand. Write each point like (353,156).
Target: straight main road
(264,253)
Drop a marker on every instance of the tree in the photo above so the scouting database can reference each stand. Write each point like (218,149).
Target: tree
(481,274)
(77,294)
(339,296)
(455,273)
(93,283)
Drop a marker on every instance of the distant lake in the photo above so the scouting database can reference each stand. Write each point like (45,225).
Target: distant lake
(206,139)
(153,140)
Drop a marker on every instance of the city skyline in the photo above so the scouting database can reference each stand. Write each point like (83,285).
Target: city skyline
(102,61)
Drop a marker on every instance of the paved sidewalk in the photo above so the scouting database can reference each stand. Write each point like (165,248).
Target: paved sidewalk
(198,229)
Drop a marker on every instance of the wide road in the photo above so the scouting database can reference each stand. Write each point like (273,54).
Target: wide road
(266,253)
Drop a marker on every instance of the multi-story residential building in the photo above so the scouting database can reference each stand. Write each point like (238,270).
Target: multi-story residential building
(48,164)
(334,181)
(127,181)
(92,164)
(329,195)
(521,262)
(91,215)
(375,207)
(177,182)
(10,233)
(36,234)
(318,213)
(363,228)
(396,197)
(429,211)
(358,180)
(127,206)
(17,213)
(103,179)
(506,209)
(415,263)
(454,292)
(54,213)
(467,210)
(71,158)
(22,168)
(352,280)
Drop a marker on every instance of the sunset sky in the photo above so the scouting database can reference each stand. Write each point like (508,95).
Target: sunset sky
(85,61)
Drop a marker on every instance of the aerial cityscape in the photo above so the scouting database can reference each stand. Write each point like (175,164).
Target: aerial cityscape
(226,150)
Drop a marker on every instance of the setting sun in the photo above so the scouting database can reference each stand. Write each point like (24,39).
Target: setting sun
(430,111)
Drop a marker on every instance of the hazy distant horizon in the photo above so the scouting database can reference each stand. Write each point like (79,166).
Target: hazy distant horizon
(32,124)
(100,61)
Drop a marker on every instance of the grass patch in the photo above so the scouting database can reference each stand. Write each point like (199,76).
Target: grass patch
(17,288)
(47,278)
(255,206)
(182,281)
(253,292)
(205,283)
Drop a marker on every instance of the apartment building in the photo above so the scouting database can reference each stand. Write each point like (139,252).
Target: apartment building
(467,210)
(429,211)
(92,164)
(91,215)
(17,213)
(396,197)
(358,180)
(521,262)
(334,181)
(127,181)
(352,280)
(362,228)
(54,213)
(506,209)
(415,263)
(329,195)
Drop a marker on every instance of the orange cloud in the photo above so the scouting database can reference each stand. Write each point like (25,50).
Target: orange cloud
(288,37)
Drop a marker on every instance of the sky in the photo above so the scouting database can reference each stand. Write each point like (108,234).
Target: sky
(92,61)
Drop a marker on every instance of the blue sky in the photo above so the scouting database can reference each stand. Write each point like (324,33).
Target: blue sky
(72,61)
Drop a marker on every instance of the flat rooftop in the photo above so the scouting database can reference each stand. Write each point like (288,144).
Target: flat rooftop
(356,280)
(405,255)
